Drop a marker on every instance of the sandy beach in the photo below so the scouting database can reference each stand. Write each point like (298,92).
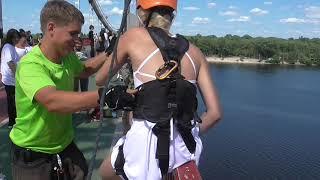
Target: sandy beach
(234,60)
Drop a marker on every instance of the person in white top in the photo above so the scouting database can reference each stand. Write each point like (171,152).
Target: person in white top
(21,46)
(9,60)
(165,128)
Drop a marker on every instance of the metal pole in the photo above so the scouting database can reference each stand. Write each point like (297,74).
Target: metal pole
(77,4)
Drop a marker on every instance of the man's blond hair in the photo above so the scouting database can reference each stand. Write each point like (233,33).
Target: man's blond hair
(60,12)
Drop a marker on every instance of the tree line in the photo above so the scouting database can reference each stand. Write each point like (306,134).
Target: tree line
(273,50)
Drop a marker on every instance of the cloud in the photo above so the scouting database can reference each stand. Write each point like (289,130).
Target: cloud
(191,8)
(300,21)
(240,19)
(267,3)
(200,20)
(105,2)
(312,16)
(316,31)
(211,5)
(257,11)
(232,7)
(293,20)
(313,12)
(228,13)
(116,11)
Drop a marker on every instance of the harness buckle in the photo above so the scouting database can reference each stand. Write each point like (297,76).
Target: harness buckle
(58,170)
(172,105)
(166,70)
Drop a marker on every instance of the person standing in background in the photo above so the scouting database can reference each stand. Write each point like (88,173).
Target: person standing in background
(40,37)
(9,60)
(83,57)
(91,37)
(29,38)
(102,39)
(21,46)
(107,36)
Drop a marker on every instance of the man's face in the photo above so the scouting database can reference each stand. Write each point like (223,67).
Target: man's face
(64,37)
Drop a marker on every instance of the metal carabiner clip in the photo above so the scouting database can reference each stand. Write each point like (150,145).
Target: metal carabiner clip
(166,70)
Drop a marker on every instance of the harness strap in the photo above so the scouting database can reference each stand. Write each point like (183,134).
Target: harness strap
(187,137)
(162,131)
(118,165)
(174,49)
(171,48)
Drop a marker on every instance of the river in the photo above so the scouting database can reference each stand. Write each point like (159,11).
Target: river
(270,127)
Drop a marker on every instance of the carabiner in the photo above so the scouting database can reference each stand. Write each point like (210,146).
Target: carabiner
(166,70)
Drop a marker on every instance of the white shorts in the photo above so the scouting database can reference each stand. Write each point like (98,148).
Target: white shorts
(139,149)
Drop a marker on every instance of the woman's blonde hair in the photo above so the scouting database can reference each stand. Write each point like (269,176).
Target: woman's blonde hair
(161,17)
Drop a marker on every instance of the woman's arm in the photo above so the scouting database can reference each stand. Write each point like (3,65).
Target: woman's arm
(209,94)
(122,56)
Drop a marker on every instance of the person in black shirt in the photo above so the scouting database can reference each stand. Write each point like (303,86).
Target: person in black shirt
(91,37)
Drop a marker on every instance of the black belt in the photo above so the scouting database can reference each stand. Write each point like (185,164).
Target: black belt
(28,155)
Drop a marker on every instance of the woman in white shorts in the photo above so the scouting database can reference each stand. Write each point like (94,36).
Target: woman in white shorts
(135,155)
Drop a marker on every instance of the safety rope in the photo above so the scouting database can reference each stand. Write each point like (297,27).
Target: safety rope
(114,57)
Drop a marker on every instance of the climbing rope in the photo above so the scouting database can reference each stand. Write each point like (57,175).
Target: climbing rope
(114,57)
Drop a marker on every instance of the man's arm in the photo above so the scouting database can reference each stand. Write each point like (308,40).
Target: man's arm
(66,102)
(92,65)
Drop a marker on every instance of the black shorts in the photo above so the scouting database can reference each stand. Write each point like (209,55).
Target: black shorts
(27,164)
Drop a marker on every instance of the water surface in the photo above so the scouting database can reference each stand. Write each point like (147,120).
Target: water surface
(271,124)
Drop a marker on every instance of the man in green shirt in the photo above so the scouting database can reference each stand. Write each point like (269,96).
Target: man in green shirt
(43,134)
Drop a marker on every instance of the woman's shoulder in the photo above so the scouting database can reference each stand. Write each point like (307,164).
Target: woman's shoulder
(8,46)
(138,31)
(195,53)
(135,36)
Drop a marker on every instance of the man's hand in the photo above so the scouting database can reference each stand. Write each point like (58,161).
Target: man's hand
(110,48)
(117,98)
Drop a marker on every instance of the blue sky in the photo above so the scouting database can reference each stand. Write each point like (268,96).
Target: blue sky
(276,18)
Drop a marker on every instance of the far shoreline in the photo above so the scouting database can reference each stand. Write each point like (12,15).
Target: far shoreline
(237,60)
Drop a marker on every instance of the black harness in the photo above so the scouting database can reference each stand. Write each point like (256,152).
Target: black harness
(174,97)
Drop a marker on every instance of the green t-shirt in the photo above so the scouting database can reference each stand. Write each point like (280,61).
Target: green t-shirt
(36,128)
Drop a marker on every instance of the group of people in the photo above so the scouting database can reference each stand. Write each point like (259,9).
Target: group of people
(16,45)
(98,43)
(43,144)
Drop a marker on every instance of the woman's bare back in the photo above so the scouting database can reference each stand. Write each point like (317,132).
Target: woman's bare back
(141,46)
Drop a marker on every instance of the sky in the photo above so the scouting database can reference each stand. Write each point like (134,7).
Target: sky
(269,18)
